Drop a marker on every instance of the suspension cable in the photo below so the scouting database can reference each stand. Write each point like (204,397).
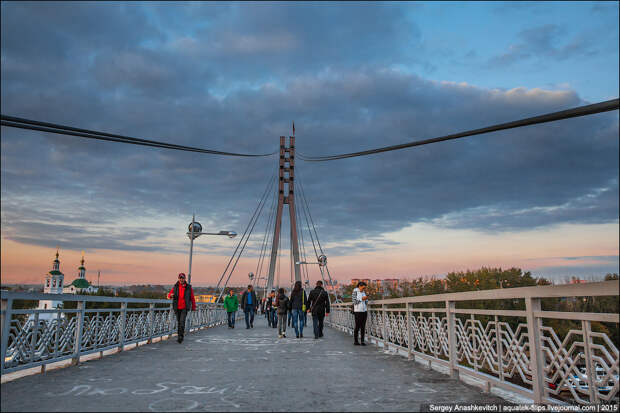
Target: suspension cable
(304,257)
(263,251)
(549,117)
(23,123)
(305,201)
(251,224)
(264,201)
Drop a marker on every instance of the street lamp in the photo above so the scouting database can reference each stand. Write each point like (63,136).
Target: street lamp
(322,261)
(194,231)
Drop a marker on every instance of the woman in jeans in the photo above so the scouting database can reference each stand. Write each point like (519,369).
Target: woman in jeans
(360,310)
(299,302)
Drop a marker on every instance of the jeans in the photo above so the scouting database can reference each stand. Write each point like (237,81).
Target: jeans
(317,323)
(298,321)
(249,316)
(273,316)
(282,323)
(231,318)
(360,324)
(181,317)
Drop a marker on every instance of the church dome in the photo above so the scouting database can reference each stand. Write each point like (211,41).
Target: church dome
(80,283)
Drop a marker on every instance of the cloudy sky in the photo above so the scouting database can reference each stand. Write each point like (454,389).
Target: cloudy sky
(232,77)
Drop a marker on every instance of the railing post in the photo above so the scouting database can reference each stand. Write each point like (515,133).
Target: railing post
(57,331)
(5,327)
(79,327)
(454,371)
(536,360)
(586,328)
(384,325)
(409,338)
(170,322)
(33,338)
(500,349)
(151,322)
(472,317)
(122,327)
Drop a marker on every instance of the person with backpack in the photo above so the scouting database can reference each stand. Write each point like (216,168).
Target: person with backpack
(299,301)
(282,305)
(183,301)
(319,308)
(231,304)
(360,311)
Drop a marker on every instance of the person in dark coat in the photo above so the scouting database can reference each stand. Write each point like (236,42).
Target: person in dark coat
(318,301)
(183,301)
(299,304)
(283,305)
(249,304)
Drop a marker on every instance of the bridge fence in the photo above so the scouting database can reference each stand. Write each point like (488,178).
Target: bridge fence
(37,337)
(547,356)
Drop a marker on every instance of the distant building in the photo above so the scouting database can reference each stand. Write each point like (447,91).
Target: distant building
(53,285)
(390,282)
(576,280)
(80,285)
(354,281)
(205,298)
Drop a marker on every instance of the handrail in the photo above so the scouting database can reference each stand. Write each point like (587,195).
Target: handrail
(37,337)
(594,289)
(558,357)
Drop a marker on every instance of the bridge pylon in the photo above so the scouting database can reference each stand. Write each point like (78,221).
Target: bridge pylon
(286,196)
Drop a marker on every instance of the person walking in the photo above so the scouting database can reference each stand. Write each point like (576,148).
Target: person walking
(249,304)
(183,300)
(231,304)
(360,311)
(299,301)
(319,308)
(282,305)
(272,311)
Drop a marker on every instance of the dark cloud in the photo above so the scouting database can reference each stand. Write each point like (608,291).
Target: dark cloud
(232,78)
(545,41)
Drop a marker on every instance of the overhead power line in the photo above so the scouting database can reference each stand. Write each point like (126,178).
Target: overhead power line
(549,117)
(30,124)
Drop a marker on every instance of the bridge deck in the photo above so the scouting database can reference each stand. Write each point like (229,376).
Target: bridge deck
(241,370)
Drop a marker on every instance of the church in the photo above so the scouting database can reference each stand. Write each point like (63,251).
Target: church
(54,284)
(80,285)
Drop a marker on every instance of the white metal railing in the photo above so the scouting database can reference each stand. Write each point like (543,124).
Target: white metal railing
(517,350)
(35,337)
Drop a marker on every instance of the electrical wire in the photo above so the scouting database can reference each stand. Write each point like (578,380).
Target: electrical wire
(15,122)
(549,117)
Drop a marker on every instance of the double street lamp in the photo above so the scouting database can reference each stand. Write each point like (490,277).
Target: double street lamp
(194,231)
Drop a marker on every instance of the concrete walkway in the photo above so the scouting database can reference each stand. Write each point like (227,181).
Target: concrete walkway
(222,369)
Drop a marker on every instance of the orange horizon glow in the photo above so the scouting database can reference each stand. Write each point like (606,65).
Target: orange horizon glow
(422,251)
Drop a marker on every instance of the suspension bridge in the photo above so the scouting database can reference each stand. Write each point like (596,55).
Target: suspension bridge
(424,350)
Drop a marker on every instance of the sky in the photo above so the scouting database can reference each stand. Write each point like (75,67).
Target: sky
(353,76)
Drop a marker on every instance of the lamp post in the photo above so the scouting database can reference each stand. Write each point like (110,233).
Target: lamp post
(194,231)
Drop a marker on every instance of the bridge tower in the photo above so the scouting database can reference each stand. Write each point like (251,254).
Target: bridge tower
(286,196)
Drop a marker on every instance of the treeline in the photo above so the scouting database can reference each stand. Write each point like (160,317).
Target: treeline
(495,278)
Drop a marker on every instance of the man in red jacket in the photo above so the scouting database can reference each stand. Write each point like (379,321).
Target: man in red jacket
(183,300)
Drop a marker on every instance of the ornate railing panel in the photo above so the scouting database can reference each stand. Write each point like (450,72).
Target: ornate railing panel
(516,350)
(33,337)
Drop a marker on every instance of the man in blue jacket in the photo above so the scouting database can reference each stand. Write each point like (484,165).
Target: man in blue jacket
(249,304)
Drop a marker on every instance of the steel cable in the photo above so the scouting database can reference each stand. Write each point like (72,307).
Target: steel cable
(549,117)
(15,122)
(262,199)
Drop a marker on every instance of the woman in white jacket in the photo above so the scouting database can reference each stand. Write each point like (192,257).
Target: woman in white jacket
(360,310)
